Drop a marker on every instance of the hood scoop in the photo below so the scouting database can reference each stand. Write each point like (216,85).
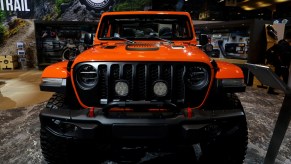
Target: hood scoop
(142,47)
(178,47)
(109,46)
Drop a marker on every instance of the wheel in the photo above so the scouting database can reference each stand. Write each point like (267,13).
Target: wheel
(60,150)
(66,54)
(57,149)
(231,144)
(54,150)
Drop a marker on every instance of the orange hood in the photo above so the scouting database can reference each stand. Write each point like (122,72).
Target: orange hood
(150,51)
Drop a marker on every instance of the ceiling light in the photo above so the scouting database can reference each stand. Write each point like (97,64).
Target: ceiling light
(248,8)
(262,4)
(278,1)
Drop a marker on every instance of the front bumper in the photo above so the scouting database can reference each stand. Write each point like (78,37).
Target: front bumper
(75,124)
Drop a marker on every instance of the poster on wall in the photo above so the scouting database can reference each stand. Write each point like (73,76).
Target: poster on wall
(29,9)
(68,10)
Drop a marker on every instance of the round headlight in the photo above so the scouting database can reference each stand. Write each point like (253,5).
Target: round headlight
(160,89)
(196,77)
(87,76)
(121,88)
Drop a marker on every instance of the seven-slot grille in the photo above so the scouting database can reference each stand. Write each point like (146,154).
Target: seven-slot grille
(140,78)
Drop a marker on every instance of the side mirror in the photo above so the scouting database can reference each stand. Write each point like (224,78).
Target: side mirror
(88,39)
(208,47)
(203,39)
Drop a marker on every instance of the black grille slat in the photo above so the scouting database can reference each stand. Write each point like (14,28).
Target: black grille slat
(179,81)
(141,82)
(128,76)
(166,75)
(115,73)
(114,76)
(154,74)
(102,69)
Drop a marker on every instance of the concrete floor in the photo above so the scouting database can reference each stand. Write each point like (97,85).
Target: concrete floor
(20,88)
(21,101)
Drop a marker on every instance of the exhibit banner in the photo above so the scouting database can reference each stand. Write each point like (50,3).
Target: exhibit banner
(15,5)
(68,10)
(22,8)
(76,10)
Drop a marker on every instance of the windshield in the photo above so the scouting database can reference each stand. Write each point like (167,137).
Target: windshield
(146,27)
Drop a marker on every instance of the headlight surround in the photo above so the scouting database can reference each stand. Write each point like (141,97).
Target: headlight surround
(197,77)
(87,76)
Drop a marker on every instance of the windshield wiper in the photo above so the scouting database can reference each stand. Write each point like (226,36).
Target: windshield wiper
(127,40)
(117,36)
(165,40)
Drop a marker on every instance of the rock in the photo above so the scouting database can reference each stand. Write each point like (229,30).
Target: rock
(65,6)
(78,12)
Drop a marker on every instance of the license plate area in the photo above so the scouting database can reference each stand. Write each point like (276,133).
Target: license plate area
(140,131)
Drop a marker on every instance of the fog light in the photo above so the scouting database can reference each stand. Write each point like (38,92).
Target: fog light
(160,89)
(121,88)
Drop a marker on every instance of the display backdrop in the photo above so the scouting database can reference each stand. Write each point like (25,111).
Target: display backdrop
(61,9)
(20,8)
(49,27)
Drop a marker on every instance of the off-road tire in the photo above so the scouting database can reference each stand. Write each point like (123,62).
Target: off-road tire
(56,101)
(230,146)
(57,149)
(66,54)
(54,149)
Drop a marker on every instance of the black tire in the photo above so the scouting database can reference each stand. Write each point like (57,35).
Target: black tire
(54,149)
(66,54)
(57,149)
(59,101)
(56,101)
(230,146)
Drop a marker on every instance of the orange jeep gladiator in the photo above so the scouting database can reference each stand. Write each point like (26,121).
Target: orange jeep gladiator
(143,93)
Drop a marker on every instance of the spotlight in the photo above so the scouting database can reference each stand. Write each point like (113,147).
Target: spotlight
(160,88)
(121,88)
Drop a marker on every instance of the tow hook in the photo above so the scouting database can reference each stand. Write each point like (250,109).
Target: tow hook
(91,112)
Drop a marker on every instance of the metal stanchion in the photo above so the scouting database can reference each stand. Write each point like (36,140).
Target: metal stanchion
(266,76)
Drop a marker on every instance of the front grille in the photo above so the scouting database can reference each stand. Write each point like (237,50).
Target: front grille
(140,77)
